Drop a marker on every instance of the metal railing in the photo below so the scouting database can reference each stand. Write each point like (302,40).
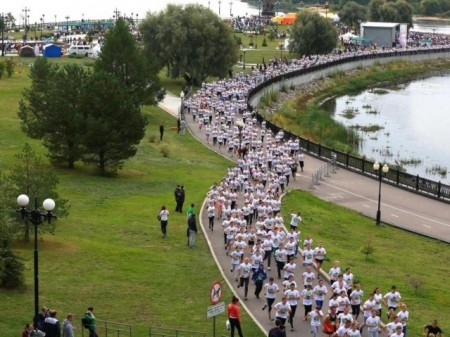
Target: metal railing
(167,332)
(396,177)
(107,328)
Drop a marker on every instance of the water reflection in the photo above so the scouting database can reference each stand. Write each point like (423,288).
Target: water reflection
(406,125)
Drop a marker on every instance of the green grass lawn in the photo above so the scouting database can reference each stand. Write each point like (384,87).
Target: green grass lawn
(109,252)
(398,256)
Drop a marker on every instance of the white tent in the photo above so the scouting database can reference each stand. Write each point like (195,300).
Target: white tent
(347,36)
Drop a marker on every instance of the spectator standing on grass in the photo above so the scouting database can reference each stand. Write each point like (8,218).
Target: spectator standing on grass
(91,322)
(432,328)
(192,230)
(52,327)
(234,316)
(161,131)
(27,330)
(163,217)
(68,326)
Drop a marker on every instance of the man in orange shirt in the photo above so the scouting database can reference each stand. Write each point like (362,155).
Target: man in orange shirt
(234,316)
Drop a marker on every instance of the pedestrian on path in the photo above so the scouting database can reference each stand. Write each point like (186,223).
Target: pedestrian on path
(234,316)
(301,161)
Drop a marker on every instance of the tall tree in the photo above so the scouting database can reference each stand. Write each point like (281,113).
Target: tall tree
(50,109)
(114,123)
(189,39)
(312,35)
(391,11)
(122,57)
(352,13)
(32,177)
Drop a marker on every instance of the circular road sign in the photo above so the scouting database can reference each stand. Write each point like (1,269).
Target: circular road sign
(216,292)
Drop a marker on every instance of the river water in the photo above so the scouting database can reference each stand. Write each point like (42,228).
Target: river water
(413,122)
(96,9)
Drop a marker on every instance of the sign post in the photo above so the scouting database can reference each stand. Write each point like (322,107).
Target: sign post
(216,308)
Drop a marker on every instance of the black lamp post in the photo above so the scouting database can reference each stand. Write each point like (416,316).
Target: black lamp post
(219,6)
(36,217)
(380,170)
(244,51)
(281,45)
(3,33)
(67,24)
(240,124)
(231,6)
(26,17)
(42,25)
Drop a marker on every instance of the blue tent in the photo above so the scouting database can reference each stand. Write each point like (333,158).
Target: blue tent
(52,50)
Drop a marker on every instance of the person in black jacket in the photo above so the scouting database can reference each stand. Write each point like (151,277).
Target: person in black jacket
(52,327)
(192,230)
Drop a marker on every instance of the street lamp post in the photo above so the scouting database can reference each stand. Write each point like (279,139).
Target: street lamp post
(67,23)
(3,33)
(280,45)
(231,6)
(380,170)
(182,103)
(26,17)
(244,58)
(42,25)
(219,6)
(36,217)
(240,124)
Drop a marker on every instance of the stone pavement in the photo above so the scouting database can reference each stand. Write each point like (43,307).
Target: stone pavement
(399,208)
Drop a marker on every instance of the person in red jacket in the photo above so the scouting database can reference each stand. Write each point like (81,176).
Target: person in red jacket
(234,316)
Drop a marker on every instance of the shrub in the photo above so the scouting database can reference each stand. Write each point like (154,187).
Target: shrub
(10,65)
(264,42)
(164,149)
(152,139)
(2,69)
(11,270)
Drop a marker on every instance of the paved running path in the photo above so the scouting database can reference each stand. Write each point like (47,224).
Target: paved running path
(399,208)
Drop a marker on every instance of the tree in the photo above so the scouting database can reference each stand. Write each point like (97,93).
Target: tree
(121,57)
(32,177)
(189,39)
(352,13)
(50,109)
(312,35)
(430,7)
(114,123)
(391,11)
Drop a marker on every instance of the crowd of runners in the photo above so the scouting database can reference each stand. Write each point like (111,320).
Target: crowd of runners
(246,205)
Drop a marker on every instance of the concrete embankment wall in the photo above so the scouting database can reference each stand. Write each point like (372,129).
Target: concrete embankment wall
(324,72)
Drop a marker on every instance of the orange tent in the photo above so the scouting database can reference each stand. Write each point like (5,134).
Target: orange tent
(289,19)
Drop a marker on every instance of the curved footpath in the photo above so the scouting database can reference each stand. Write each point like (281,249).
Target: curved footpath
(399,208)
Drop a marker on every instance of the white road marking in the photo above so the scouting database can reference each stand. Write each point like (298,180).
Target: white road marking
(385,205)
(395,215)
(426,226)
(365,205)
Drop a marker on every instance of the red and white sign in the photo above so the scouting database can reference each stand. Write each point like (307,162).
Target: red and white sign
(216,292)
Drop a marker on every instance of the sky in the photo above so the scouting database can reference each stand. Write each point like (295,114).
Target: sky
(95,9)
